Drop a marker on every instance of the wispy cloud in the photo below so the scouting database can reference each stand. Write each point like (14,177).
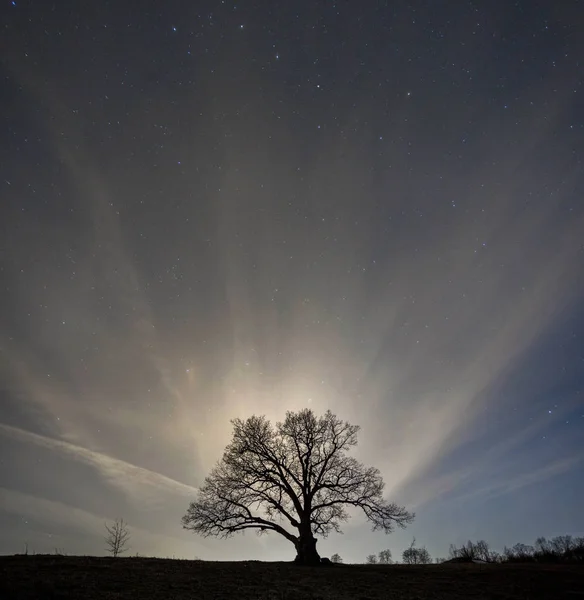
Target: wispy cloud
(138,483)
(519,480)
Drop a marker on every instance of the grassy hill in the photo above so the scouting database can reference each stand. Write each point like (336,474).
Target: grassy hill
(89,578)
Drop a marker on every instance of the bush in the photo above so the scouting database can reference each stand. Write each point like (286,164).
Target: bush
(473,551)
(416,556)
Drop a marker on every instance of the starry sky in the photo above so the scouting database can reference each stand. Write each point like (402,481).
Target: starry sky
(215,209)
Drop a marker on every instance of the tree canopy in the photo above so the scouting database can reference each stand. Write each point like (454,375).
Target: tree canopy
(295,479)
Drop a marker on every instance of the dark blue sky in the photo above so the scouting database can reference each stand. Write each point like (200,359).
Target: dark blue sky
(215,209)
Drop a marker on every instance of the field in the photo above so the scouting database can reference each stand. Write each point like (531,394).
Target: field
(87,578)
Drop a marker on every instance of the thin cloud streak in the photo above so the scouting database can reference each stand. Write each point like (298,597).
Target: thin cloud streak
(520,480)
(428,486)
(133,480)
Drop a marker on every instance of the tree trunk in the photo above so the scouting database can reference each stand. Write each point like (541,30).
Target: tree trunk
(306,553)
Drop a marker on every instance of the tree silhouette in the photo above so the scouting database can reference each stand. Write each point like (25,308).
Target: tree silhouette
(336,558)
(371,559)
(416,556)
(385,557)
(117,537)
(294,475)
(472,551)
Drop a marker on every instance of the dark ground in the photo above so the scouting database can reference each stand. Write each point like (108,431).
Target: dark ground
(64,577)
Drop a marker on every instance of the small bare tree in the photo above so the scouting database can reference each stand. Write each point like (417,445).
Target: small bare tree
(484,553)
(385,557)
(562,545)
(336,558)
(416,556)
(472,551)
(117,537)
(519,553)
(371,559)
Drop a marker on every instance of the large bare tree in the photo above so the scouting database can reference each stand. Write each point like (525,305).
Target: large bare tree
(295,479)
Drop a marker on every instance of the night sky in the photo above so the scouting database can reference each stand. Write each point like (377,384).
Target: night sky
(214,209)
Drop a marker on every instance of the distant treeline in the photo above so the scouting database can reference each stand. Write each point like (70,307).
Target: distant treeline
(560,549)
